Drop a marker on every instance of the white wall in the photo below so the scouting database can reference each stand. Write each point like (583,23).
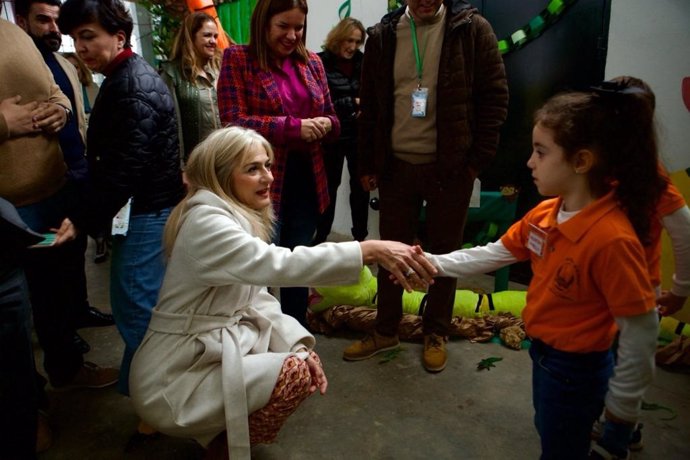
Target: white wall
(323,15)
(7,9)
(650,40)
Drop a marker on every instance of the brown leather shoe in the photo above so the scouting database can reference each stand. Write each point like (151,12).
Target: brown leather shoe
(90,375)
(435,356)
(369,346)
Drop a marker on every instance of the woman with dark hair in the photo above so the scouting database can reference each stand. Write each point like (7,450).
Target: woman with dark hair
(133,160)
(342,60)
(192,75)
(277,87)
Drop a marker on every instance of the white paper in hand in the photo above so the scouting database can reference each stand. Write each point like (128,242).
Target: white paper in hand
(121,220)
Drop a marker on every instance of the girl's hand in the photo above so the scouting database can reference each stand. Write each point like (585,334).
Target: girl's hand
(407,263)
(318,377)
(669,303)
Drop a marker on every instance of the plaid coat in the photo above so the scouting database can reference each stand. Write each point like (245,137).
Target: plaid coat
(248,96)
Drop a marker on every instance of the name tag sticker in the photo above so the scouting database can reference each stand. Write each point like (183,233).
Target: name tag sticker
(536,240)
(420,96)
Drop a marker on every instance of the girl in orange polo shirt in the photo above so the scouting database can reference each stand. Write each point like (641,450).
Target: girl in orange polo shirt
(590,275)
(672,215)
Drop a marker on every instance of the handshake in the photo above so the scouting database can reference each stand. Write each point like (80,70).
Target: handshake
(408,265)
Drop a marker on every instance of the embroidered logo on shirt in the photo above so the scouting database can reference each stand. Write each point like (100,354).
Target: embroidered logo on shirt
(567,280)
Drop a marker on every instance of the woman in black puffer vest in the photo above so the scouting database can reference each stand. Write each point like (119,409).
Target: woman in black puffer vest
(134,162)
(342,61)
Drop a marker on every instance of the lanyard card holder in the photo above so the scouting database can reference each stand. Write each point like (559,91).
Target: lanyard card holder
(420,97)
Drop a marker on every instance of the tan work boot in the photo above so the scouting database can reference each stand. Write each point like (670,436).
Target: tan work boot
(435,356)
(369,346)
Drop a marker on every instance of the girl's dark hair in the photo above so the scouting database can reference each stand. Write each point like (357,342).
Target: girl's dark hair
(616,122)
(110,14)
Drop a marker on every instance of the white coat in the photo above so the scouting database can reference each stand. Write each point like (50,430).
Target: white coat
(217,339)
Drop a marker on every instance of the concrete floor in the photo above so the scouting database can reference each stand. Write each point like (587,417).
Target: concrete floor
(372,410)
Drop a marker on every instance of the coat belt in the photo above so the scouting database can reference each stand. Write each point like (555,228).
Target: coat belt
(232,372)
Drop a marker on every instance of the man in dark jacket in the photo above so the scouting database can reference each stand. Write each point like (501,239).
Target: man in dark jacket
(38,18)
(433,97)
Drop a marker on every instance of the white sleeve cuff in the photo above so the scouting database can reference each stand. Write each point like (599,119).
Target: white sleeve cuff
(635,366)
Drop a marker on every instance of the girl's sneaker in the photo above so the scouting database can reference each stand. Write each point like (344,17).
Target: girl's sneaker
(600,453)
(635,445)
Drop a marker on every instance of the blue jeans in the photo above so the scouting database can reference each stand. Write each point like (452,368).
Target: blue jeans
(136,273)
(18,390)
(568,391)
(299,216)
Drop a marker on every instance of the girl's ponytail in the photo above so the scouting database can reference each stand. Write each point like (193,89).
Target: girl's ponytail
(630,148)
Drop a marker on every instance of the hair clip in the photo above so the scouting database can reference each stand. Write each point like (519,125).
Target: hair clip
(608,87)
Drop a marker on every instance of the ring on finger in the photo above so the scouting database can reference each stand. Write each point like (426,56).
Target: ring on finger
(410,271)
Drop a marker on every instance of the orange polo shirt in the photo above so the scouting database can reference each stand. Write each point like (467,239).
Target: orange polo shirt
(586,271)
(671,200)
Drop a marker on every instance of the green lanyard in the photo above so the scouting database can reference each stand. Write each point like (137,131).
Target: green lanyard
(419,59)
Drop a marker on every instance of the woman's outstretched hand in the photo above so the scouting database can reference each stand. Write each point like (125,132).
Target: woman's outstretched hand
(407,264)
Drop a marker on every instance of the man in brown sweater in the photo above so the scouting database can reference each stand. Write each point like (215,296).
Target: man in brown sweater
(433,97)
(33,110)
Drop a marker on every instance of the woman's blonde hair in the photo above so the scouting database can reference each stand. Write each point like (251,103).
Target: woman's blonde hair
(341,32)
(184,52)
(210,167)
(85,75)
(261,20)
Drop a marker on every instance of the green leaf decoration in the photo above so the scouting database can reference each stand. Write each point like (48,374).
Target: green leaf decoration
(345,10)
(390,355)
(654,406)
(488,363)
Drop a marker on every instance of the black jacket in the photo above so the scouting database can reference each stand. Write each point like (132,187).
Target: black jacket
(344,90)
(132,145)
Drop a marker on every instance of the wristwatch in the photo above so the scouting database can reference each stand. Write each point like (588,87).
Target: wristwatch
(68,112)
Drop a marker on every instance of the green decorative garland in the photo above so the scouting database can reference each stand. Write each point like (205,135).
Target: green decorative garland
(394,5)
(533,29)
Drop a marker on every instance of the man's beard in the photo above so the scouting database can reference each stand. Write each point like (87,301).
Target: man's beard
(48,42)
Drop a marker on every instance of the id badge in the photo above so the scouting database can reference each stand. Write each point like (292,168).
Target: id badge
(120,224)
(420,96)
(536,240)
